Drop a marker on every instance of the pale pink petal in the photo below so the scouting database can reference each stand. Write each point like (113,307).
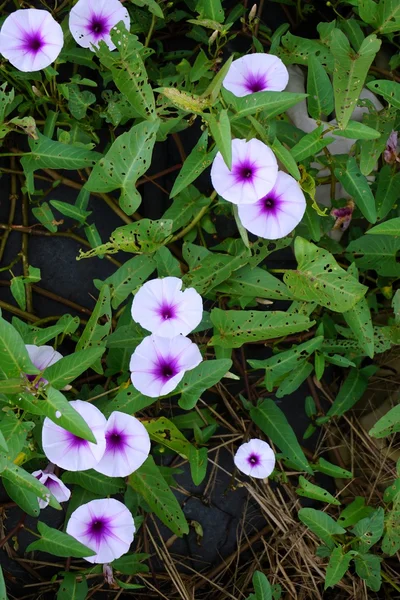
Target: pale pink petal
(256,73)
(127,446)
(42,356)
(69,451)
(91,21)
(253,174)
(255,458)
(105,526)
(54,485)
(278,213)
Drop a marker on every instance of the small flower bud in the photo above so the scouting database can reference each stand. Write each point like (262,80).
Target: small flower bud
(213,37)
(252,13)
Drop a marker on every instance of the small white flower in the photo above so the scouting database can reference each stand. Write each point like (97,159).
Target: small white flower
(255,458)
(54,484)
(256,73)
(90,21)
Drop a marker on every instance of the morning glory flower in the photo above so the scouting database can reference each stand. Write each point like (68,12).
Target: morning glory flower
(42,357)
(253,174)
(54,485)
(90,21)
(255,458)
(256,73)
(105,526)
(31,39)
(278,212)
(161,307)
(69,451)
(127,446)
(158,364)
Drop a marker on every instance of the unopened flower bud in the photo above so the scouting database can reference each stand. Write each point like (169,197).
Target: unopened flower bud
(252,13)
(213,37)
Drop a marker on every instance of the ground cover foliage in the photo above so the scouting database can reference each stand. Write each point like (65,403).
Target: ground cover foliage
(314,313)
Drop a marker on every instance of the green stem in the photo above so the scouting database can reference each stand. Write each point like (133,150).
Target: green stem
(17,311)
(193,223)
(150,33)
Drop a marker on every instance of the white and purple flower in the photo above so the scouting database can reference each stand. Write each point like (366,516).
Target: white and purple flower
(105,526)
(278,212)
(31,39)
(256,73)
(255,458)
(90,21)
(253,174)
(158,364)
(127,446)
(53,484)
(42,357)
(162,308)
(69,451)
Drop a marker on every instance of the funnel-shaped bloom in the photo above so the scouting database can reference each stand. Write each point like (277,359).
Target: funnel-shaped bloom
(253,174)
(159,364)
(90,21)
(105,526)
(53,484)
(31,39)
(256,73)
(255,458)
(163,309)
(127,446)
(69,451)
(42,357)
(277,213)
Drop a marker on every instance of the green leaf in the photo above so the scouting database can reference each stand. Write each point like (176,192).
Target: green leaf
(349,394)
(150,484)
(14,356)
(128,400)
(388,16)
(350,72)
(79,101)
(388,424)
(391,539)
(255,283)
(319,278)
(297,50)
(358,131)
(200,379)
(3,590)
(391,227)
(47,154)
(311,144)
(293,380)
(131,564)
(197,161)
(60,411)
(71,211)
(321,524)
(220,129)
(376,252)
(58,543)
(152,6)
(39,336)
(356,184)
(128,159)
(95,332)
(95,482)
(320,100)
(368,10)
(323,466)
(390,90)
(262,587)
(67,369)
(286,158)
(20,478)
(270,103)
(213,269)
(126,336)
(45,216)
(232,328)
(128,278)
(25,499)
(14,432)
(198,464)
(185,206)
(72,589)
(384,122)
(337,567)
(368,567)
(272,421)
(210,9)
(354,512)
(388,191)
(360,322)
(310,490)
(167,264)
(128,71)
(369,530)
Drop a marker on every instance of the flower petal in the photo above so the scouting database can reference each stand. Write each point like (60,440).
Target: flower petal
(91,21)
(256,73)
(258,451)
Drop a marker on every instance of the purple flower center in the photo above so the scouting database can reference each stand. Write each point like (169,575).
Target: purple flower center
(269,205)
(167,311)
(98,529)
(115,439)
(33,42)
(166,368)
(254,459)
(76,442)
(99,25)
(256,83)
(245,171)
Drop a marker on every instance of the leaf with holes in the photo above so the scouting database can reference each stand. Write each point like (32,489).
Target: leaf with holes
(319,88)
(360,321)
(150,484)
(297,50)
(318,278)
(254,283)
(383,122)
(95,330)
(185,206)
(388,424)
(388,191)
(368,567)
(271,104)
(128,159)
(200,379)
(356,185)
(377,252)
(369,530)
